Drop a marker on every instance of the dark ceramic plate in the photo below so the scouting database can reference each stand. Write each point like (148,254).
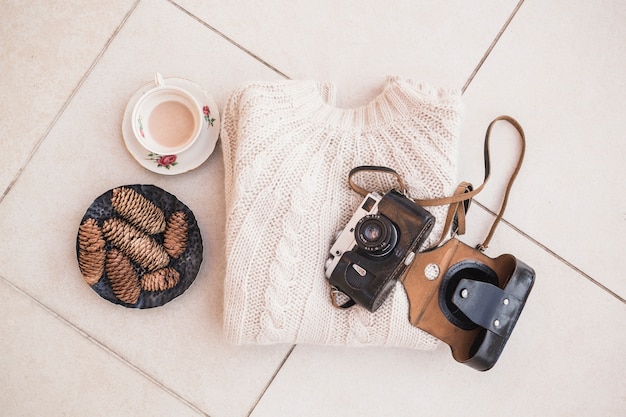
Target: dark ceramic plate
(187,264)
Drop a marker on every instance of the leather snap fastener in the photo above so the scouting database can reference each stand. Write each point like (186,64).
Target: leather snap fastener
(431,271)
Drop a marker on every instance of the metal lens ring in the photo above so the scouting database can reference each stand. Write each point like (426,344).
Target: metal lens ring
(376,235)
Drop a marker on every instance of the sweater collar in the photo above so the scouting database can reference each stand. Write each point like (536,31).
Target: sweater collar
(398,99)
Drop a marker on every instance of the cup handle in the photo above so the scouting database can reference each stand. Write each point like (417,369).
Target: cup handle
(158,79)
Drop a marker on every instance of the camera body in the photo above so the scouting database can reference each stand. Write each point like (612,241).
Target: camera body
(468,300)
(375,248)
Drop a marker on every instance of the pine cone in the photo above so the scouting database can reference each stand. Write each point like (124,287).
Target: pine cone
(175,239)
(140,247)
(138,210)
(160,280)
(124,281)
(91,251)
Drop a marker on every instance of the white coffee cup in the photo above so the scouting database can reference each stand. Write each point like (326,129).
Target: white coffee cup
(167,119)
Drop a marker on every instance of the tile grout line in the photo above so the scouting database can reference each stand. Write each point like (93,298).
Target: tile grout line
(49,310)
(269,383)
(67,102)
(463,89)
(492,46)
(118,356)
(228,39)
(467,83)
(518,230)
(104,347)
(51,125)
(526,235)
(554,254)
(279,72)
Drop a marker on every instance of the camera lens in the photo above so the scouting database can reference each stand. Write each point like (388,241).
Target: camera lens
(372,232)
(376,235)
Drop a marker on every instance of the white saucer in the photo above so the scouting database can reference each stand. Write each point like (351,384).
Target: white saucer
(188,159)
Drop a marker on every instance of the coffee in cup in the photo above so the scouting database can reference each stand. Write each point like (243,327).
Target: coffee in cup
(167,119)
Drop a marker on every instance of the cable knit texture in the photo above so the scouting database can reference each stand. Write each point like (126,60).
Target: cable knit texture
(287,153)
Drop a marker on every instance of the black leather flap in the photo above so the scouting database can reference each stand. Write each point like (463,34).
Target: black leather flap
(487,306)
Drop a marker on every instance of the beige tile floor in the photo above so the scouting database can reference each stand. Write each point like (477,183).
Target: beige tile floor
(68,68)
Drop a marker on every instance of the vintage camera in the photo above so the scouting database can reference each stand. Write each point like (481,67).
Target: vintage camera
(377,245)
(468,300)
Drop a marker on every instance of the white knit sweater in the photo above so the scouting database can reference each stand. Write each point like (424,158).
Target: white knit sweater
(287,154)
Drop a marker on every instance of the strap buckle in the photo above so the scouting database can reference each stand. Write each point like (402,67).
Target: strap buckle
(336,294)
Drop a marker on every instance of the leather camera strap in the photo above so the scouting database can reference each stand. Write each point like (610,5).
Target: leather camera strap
(373,168)
(459,201)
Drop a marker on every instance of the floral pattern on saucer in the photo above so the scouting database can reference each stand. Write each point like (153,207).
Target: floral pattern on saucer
(139,122)
(207,116)
(166,161)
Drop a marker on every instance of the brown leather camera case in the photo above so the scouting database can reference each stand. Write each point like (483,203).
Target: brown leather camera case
(441,288)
